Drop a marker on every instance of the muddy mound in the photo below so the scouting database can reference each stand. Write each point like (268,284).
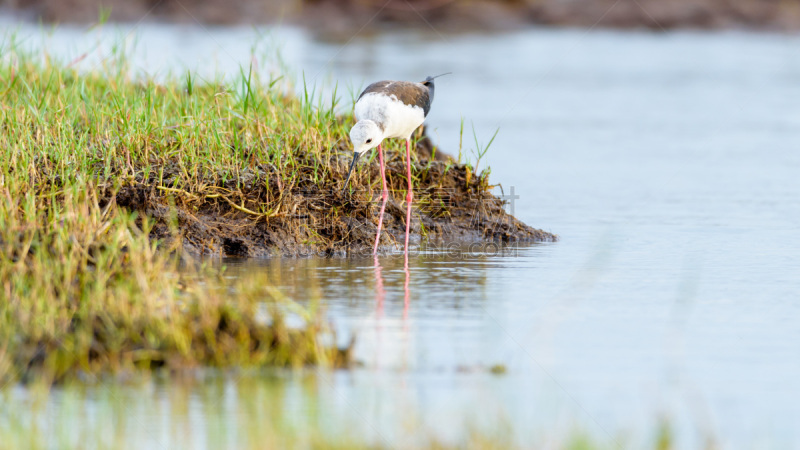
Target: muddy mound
(240,169)
(304,218)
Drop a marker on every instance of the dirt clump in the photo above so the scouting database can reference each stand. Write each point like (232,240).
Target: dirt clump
(450,204)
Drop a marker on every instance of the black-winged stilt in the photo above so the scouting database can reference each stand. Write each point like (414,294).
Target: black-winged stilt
(390,109)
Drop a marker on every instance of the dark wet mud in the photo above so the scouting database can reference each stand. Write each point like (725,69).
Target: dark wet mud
(451,204)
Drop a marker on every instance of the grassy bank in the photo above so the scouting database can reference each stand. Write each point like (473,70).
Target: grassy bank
(237,169)
(86,286)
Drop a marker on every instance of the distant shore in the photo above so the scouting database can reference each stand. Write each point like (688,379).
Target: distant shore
(337,17)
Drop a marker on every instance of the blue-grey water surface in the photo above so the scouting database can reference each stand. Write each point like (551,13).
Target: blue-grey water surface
(669,166)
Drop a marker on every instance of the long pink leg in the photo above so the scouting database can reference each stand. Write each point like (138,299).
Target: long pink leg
(384,196)
(410,194)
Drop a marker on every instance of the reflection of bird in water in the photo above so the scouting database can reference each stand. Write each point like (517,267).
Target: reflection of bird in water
(390,109)
(380,297)
(406,293)
(380,291)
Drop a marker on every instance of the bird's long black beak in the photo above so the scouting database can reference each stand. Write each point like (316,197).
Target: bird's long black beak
(352,166)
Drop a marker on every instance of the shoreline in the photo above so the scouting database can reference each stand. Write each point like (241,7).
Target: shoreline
(340,18)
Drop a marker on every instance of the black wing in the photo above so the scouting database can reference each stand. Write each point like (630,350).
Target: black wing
(412,94)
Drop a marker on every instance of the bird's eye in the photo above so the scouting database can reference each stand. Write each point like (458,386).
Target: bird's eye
(369,140)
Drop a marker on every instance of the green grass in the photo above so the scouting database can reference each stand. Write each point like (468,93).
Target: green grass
(84,287)
(191,137)
(85,291)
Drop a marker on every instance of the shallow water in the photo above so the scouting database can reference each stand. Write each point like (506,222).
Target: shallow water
(668,166)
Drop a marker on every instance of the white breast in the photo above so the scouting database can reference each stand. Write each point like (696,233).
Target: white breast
(397,119)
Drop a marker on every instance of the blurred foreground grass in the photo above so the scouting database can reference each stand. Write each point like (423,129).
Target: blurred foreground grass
(85,291)
(270,410)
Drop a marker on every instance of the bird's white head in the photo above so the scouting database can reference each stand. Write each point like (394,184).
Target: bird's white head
(365,135)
